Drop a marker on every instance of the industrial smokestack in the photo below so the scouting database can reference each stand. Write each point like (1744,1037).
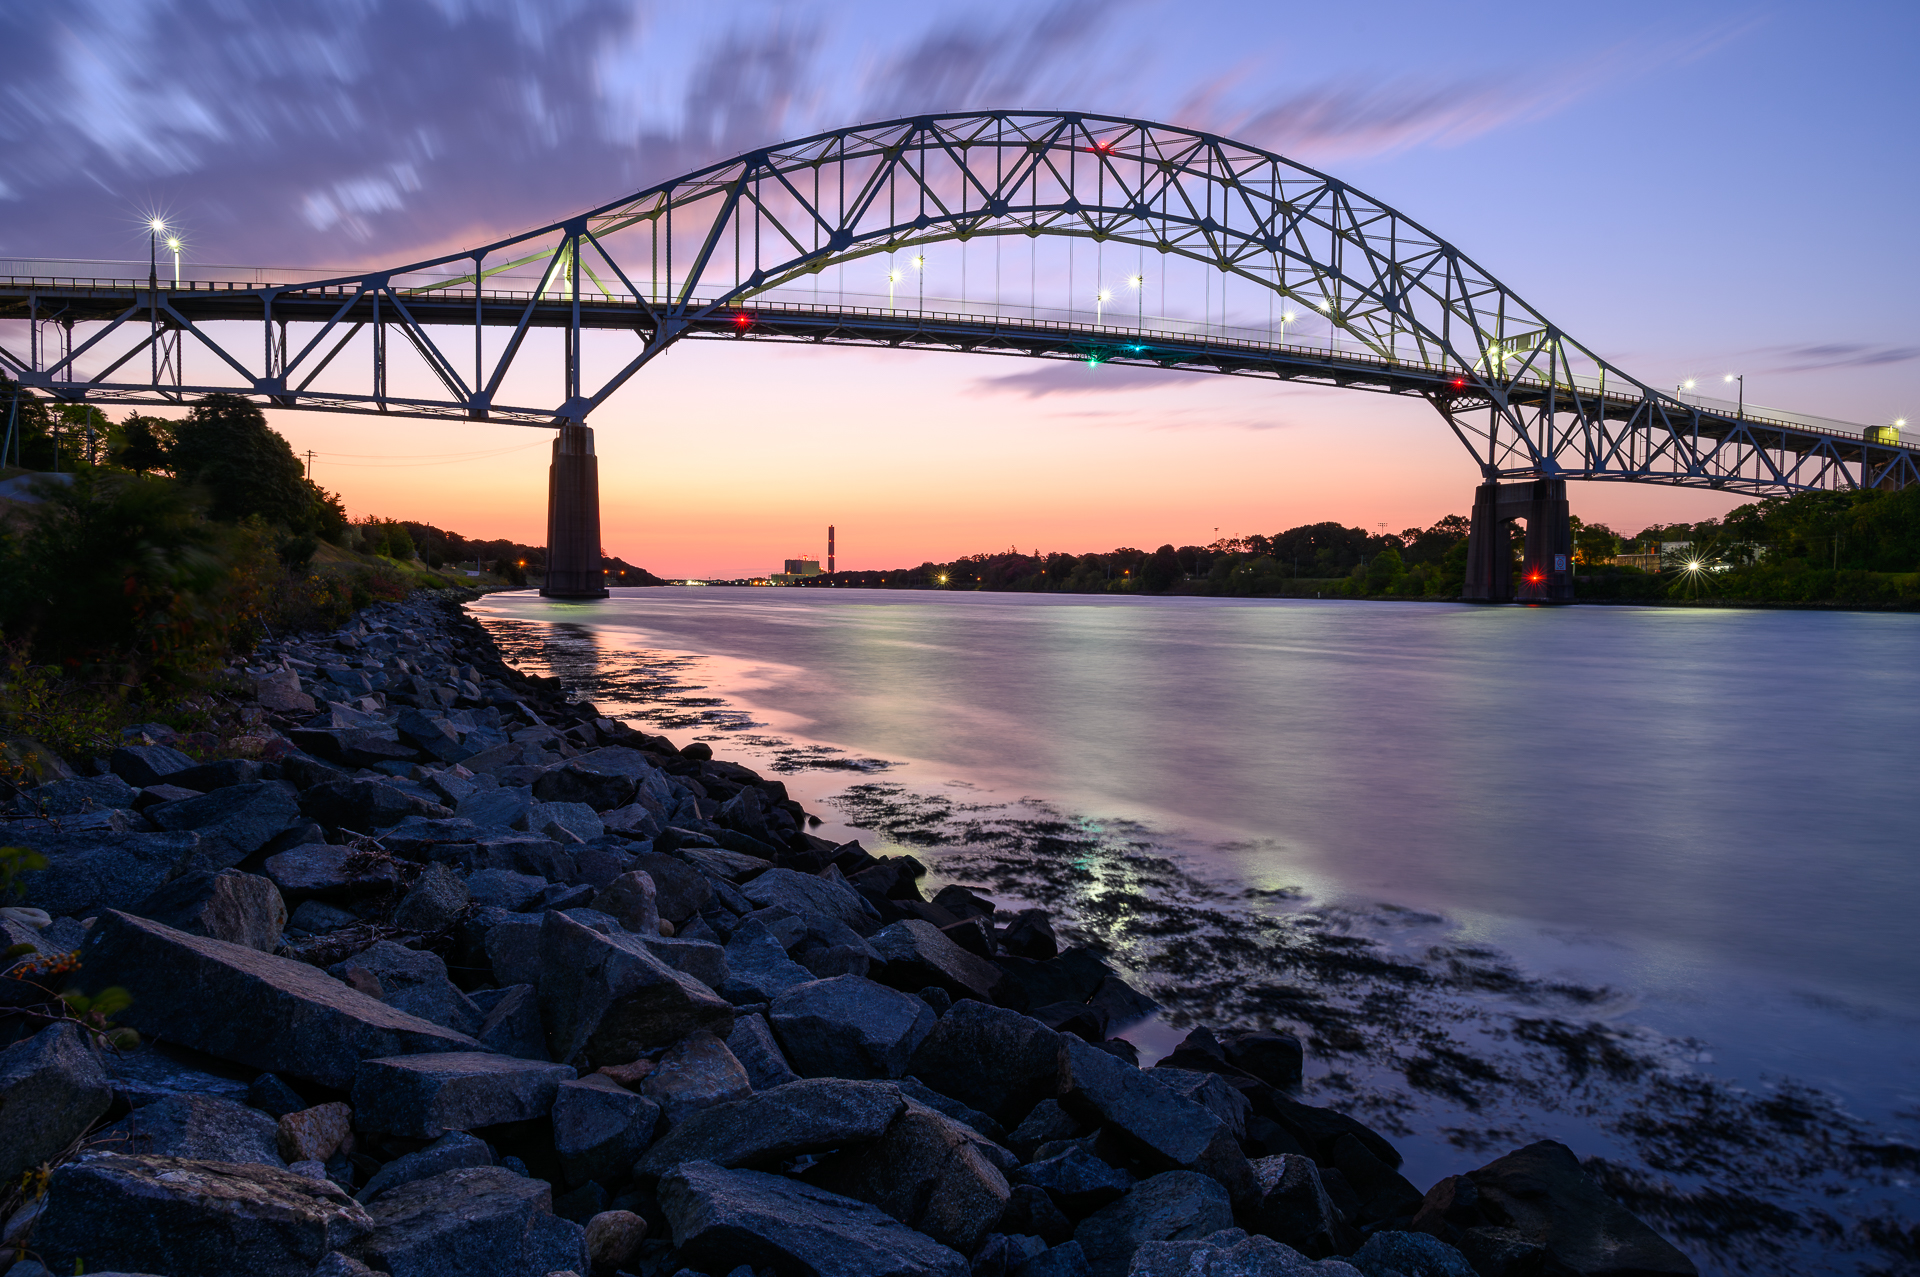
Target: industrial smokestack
(829,549)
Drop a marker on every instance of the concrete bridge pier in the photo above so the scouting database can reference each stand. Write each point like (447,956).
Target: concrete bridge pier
(1546,565)
(573,518)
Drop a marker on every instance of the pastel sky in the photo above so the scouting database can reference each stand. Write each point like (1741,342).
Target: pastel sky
(1688,188)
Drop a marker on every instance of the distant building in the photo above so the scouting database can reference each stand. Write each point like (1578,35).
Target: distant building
(797,570)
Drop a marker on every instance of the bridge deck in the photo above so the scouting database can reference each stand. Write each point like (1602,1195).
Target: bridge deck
(101,300)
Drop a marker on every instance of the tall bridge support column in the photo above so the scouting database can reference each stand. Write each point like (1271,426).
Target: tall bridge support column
(1546,566)
(573,518)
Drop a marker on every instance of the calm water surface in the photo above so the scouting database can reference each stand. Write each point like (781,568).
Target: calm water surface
(1715,812)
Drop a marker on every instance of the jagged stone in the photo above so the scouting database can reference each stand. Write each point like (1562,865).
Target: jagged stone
(202,1127)
(600,1128)
(143,765)
(428,1095)
(1174,1206)
(992,1059)
(251,1008)
(809,1116)
(758,968)
(314,1134)
(631,898)
(88,872)
(697,1072)
(608,1000)
(363,805)
(803,894)
(479,1221)
(512,1026)
(752,1043)
(434,902)
(243,909)
(1292,1206)
(451,1152)
(929,1173)
(179,1215)
(1542,1192)
(1076,1180)
(52,1089)
(723,1218)
(414,981)
(849,1027)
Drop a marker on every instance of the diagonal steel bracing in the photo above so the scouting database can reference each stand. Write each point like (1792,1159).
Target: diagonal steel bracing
(731,251)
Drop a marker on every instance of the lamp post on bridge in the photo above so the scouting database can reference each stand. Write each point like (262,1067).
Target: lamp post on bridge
(1138,283)
(1741,410)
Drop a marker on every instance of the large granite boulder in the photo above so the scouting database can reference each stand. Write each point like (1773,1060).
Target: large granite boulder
(916,955)
(929,1172)
(177,1215)
(805,894)
(1292,1206)
(849,1027)
(202,1127)
(695,1073)
(451,1152)
(425,1096)
(252,1008)
(88,872)
(608,999)
(52,1089)
(478,1221)
(600,1128)
(722,1219)
(992,1059)
(243,909)
(1175,1206)
(411,980)
(233,822)
(765,1130)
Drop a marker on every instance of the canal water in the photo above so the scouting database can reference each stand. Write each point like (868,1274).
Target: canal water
(1642,879)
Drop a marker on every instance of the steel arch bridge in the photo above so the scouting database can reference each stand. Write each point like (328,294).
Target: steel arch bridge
(738,251)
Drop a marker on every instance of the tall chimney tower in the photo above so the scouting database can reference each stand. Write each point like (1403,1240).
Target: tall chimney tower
(829,549)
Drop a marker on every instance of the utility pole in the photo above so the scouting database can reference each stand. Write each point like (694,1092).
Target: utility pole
(309,463)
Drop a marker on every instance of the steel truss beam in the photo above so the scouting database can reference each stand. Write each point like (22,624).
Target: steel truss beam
(728,252)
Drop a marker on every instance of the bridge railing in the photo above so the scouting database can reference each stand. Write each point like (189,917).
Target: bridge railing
(1145,329)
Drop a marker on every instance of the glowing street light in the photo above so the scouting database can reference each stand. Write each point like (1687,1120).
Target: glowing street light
(1138,283)
(893,277)
(1742,379)
(1286,317)
(173,242)
(1683,386)
(1100,300)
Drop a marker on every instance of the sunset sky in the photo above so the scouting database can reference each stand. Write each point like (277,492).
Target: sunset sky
(1688,188)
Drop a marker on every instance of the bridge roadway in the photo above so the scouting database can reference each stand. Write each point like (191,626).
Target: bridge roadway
(348,306)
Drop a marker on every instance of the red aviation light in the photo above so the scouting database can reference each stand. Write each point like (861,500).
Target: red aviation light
(1536,578)
(743,319)
(1459,383)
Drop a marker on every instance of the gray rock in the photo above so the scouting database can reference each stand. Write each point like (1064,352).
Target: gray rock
(919,1092)
(317,917)
(201,1127)
(849,1027)
(271,1095)
(1165,1129)
(428,1095)
(1175,1206)
(513,949)
(701,959)
(1232,1254)
(1076,1180)
(587,782)
(724,1218)
(178,1215)
(155,1070)
(434,902)
(1211,1092)
(451,1152)
(1292,1206)
(243,909)
(1397,1254)
(234,822)
(414,981)
(753,1044)
(697,1072)
(608,1000)
(316,870)
(248,1007)
(1031,1212)
(758,968)
(680,891)
(600,1128)
(917,954)
(579,821)
(614,1237)
(1064,1260)
(52,1089)
(929,1172)
(505,807)
(766,1129)
(88,872)
(1541,1192)
(633,820)
(76,796)
(804,894)
(631,899)
(717,862)
(341,1265)
(992,1059)
(478,1221)
(534,854)
(1043,1124)
(1274,1058)
(504,888)
(512,1026)
(364,805)
(353,746)
(431,734)
(143,765)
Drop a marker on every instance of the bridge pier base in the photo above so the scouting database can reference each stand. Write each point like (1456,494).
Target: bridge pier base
(573,518)
(1546,565)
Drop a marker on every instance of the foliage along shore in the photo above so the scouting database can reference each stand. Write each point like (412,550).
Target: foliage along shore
(1821,549)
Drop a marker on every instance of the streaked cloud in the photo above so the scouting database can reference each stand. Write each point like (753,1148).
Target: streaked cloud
(1840,355)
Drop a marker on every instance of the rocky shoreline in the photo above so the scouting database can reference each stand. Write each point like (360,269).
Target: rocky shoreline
(454,975)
